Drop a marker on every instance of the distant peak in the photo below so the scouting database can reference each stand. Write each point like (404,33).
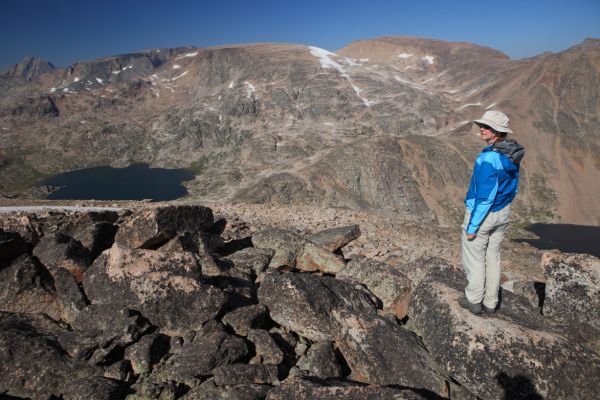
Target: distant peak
(589,42)
(32,67)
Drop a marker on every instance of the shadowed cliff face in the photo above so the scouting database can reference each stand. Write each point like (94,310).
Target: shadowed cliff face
(380,125)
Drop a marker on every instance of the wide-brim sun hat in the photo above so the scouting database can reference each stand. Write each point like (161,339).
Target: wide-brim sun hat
(496,120)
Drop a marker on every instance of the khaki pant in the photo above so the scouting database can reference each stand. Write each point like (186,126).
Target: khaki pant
(481,257)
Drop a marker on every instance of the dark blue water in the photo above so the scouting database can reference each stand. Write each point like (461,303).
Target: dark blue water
(566,238)
(136,182)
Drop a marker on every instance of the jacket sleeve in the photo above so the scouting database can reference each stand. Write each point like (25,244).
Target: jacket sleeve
(486,183)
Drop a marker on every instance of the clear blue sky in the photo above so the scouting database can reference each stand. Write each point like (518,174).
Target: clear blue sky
(66,31)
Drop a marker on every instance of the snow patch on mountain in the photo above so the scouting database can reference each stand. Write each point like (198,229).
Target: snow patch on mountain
(327,62)
(180,75)
(409,83)
(405,55)
(187,55)
(249,88)
(324,57)
(429,59)
(468,105)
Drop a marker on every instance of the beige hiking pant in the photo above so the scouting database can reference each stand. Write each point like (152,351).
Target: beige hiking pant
(481,257)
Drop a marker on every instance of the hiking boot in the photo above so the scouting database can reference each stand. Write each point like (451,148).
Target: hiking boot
(474,308)
(488,310)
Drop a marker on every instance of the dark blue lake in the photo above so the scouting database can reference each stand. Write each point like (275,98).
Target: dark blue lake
(136,182)
(566,238)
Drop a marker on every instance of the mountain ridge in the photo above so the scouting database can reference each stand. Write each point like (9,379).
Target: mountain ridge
(244,115)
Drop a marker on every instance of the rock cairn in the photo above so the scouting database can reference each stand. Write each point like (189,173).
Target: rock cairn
(157,303)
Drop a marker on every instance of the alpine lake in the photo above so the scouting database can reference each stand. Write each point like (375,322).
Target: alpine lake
(135,182)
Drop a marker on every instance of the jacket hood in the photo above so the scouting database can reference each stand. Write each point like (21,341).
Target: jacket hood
(511,149)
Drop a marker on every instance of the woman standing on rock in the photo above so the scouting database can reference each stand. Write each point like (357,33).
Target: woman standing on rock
(492,188)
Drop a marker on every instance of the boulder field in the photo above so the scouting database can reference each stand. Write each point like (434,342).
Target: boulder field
(154,302)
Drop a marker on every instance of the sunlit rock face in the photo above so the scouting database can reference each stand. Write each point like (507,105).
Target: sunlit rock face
(176,312)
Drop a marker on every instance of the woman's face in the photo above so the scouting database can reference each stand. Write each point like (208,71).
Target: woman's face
(486,133)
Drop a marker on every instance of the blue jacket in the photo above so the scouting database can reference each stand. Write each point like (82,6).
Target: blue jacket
(494,184)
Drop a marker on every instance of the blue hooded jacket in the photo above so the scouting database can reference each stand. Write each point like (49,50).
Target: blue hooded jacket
(494,183)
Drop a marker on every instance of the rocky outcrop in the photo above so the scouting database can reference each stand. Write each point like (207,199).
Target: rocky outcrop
(515,352)
(153,227)
(390,285)
(381,352)
(335,238)
(304,303)
(164,286)
(170,315)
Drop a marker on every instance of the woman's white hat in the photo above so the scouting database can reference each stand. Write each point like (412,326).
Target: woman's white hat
(496,120)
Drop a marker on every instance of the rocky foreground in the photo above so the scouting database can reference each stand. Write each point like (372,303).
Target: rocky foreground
(165,302)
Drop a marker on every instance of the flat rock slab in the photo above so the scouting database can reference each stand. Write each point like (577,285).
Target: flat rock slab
(310,389)
(303,303)
(381,352)
(388,283)
(513,354)
(334,239)
(164,287)
(312,257)
(151,227)
(420,268)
